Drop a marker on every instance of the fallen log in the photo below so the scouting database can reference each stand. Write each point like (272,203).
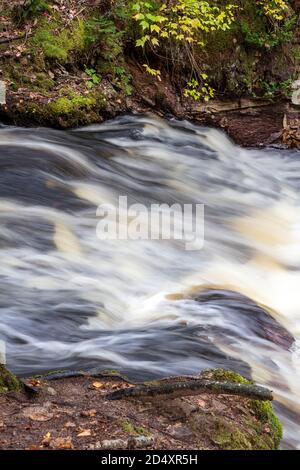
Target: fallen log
(197,387)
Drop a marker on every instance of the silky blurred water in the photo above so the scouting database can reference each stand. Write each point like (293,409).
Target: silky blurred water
(150,307)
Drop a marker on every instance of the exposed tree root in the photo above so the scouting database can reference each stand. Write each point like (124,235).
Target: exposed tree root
(197,387)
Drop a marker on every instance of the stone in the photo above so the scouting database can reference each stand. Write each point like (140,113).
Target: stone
(296,84)
(38,413)
(296,97)
(296,93)
(2,92)
(51,391)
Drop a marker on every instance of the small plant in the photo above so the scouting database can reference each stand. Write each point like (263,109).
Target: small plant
(182,21)
(104,38)
(199,91)
(94,79)
(180,27)
(273,89)
(269,39)
(103,32)
(29,9)
(274,9)
(155,73)
(296,54)
(123,79)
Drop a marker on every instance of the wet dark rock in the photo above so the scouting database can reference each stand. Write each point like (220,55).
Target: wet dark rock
(249,315)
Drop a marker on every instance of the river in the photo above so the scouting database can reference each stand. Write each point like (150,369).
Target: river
(151,308)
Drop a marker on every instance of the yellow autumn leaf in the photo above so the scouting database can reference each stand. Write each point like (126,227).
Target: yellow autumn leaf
(98,385)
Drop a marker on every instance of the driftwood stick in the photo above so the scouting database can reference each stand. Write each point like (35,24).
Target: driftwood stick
(12,38)
(197,387)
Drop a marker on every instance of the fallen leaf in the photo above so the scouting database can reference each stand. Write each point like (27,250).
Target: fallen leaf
(201,403)
(46,439)
(120,386)
(115,386)
(88,413)
(98,385)
(69,424)
(85,433)
(33,447)
(62,443)
(33,382)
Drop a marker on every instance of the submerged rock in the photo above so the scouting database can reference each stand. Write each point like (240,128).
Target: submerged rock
(249,315)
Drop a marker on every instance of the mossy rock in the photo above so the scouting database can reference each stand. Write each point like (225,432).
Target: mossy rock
(70,110)
(266,417)
(243,425)
(230,437)
(8,381)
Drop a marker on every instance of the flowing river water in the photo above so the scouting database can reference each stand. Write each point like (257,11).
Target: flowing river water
(150,307)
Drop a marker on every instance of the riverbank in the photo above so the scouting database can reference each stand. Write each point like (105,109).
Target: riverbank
(74,413)
(73,65)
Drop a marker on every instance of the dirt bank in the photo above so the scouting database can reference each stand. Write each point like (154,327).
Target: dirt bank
(75,63)
(74,413)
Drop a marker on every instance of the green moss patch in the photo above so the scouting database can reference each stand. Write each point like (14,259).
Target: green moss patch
(223,375)
(8,382)
(64,105)
(230,437)
(129,428)
(268,420)
(57,41)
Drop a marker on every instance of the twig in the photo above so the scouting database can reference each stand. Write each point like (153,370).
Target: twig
(13,38)
(73,18)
